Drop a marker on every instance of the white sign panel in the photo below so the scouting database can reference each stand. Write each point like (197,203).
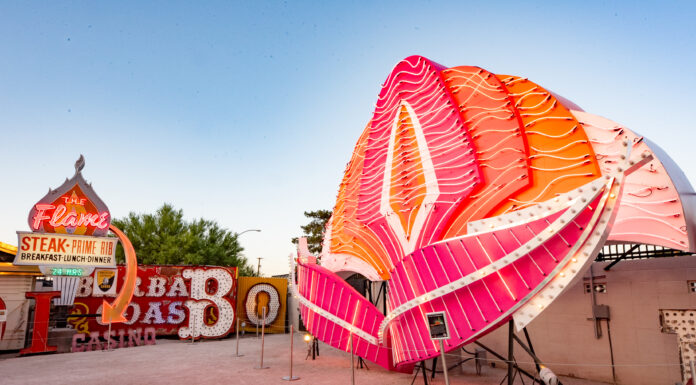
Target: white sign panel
(65,250)
(105,282)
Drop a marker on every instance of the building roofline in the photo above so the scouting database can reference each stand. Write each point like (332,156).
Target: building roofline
(7,248)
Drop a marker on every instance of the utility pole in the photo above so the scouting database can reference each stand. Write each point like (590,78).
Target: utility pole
(258,268)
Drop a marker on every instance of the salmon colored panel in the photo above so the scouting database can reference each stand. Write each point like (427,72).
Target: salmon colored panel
(419,162)
(560,155)
(651,209)
(348,236)
(495,129)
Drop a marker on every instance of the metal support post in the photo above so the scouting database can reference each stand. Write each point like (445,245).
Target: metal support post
(292,336)
(617,260)
(501,358)
(531,349)
(237,350)
(263,330)
(108,339)
(384,297)
(510,357)
(362,364)
(193,322)
(315,348)
(434,369)
(352,364)
(444,362)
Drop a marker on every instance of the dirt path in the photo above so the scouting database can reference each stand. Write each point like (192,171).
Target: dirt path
(213,362)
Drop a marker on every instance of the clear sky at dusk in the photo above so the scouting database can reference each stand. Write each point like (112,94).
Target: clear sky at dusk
(246,113)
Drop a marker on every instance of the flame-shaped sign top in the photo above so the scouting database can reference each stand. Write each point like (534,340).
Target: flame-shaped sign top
(72,208)
(479,195)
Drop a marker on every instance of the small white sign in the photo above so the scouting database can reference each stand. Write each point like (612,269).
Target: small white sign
(105,282)
(65,250)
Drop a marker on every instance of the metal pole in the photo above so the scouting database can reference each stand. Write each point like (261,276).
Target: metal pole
(444,362)
(510,357)
(263,333)
(597,326)
(237,354)
(384,297)
(425,375)
(108,338)
(434,366)
(193,325)
(693,372)
(531,349)
(352,365)
(501,358)
(258,268)
(263,330)
(292,336)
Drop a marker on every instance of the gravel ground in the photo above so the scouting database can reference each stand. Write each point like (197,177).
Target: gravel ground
(214,362)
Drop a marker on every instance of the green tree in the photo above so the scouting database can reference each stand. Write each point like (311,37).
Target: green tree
(165,238)
(314,230)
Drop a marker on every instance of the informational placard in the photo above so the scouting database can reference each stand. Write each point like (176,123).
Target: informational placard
(48,249)
(105,282)
(437,324)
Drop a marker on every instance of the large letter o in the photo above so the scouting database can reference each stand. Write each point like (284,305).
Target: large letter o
(273,303)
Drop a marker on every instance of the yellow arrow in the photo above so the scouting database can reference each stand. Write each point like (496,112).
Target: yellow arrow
(114,312)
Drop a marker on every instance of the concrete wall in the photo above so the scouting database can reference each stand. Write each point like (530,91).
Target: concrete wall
(564,338)
(12,289)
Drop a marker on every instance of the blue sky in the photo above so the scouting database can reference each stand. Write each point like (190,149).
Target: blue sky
(246,113)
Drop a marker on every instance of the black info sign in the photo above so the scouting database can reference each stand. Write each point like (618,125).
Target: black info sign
(437,324)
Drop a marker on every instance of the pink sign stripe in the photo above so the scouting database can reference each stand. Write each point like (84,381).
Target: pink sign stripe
(417,82)
(460,257)
(485,300)
(341,300)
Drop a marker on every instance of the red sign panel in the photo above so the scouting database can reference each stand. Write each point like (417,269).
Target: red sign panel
(72,208)
(196,301)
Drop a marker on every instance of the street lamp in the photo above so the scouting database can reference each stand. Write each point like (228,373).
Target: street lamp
(258,269)
(246,231)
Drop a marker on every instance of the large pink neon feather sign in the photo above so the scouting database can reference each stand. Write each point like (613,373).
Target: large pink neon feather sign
(482,196)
